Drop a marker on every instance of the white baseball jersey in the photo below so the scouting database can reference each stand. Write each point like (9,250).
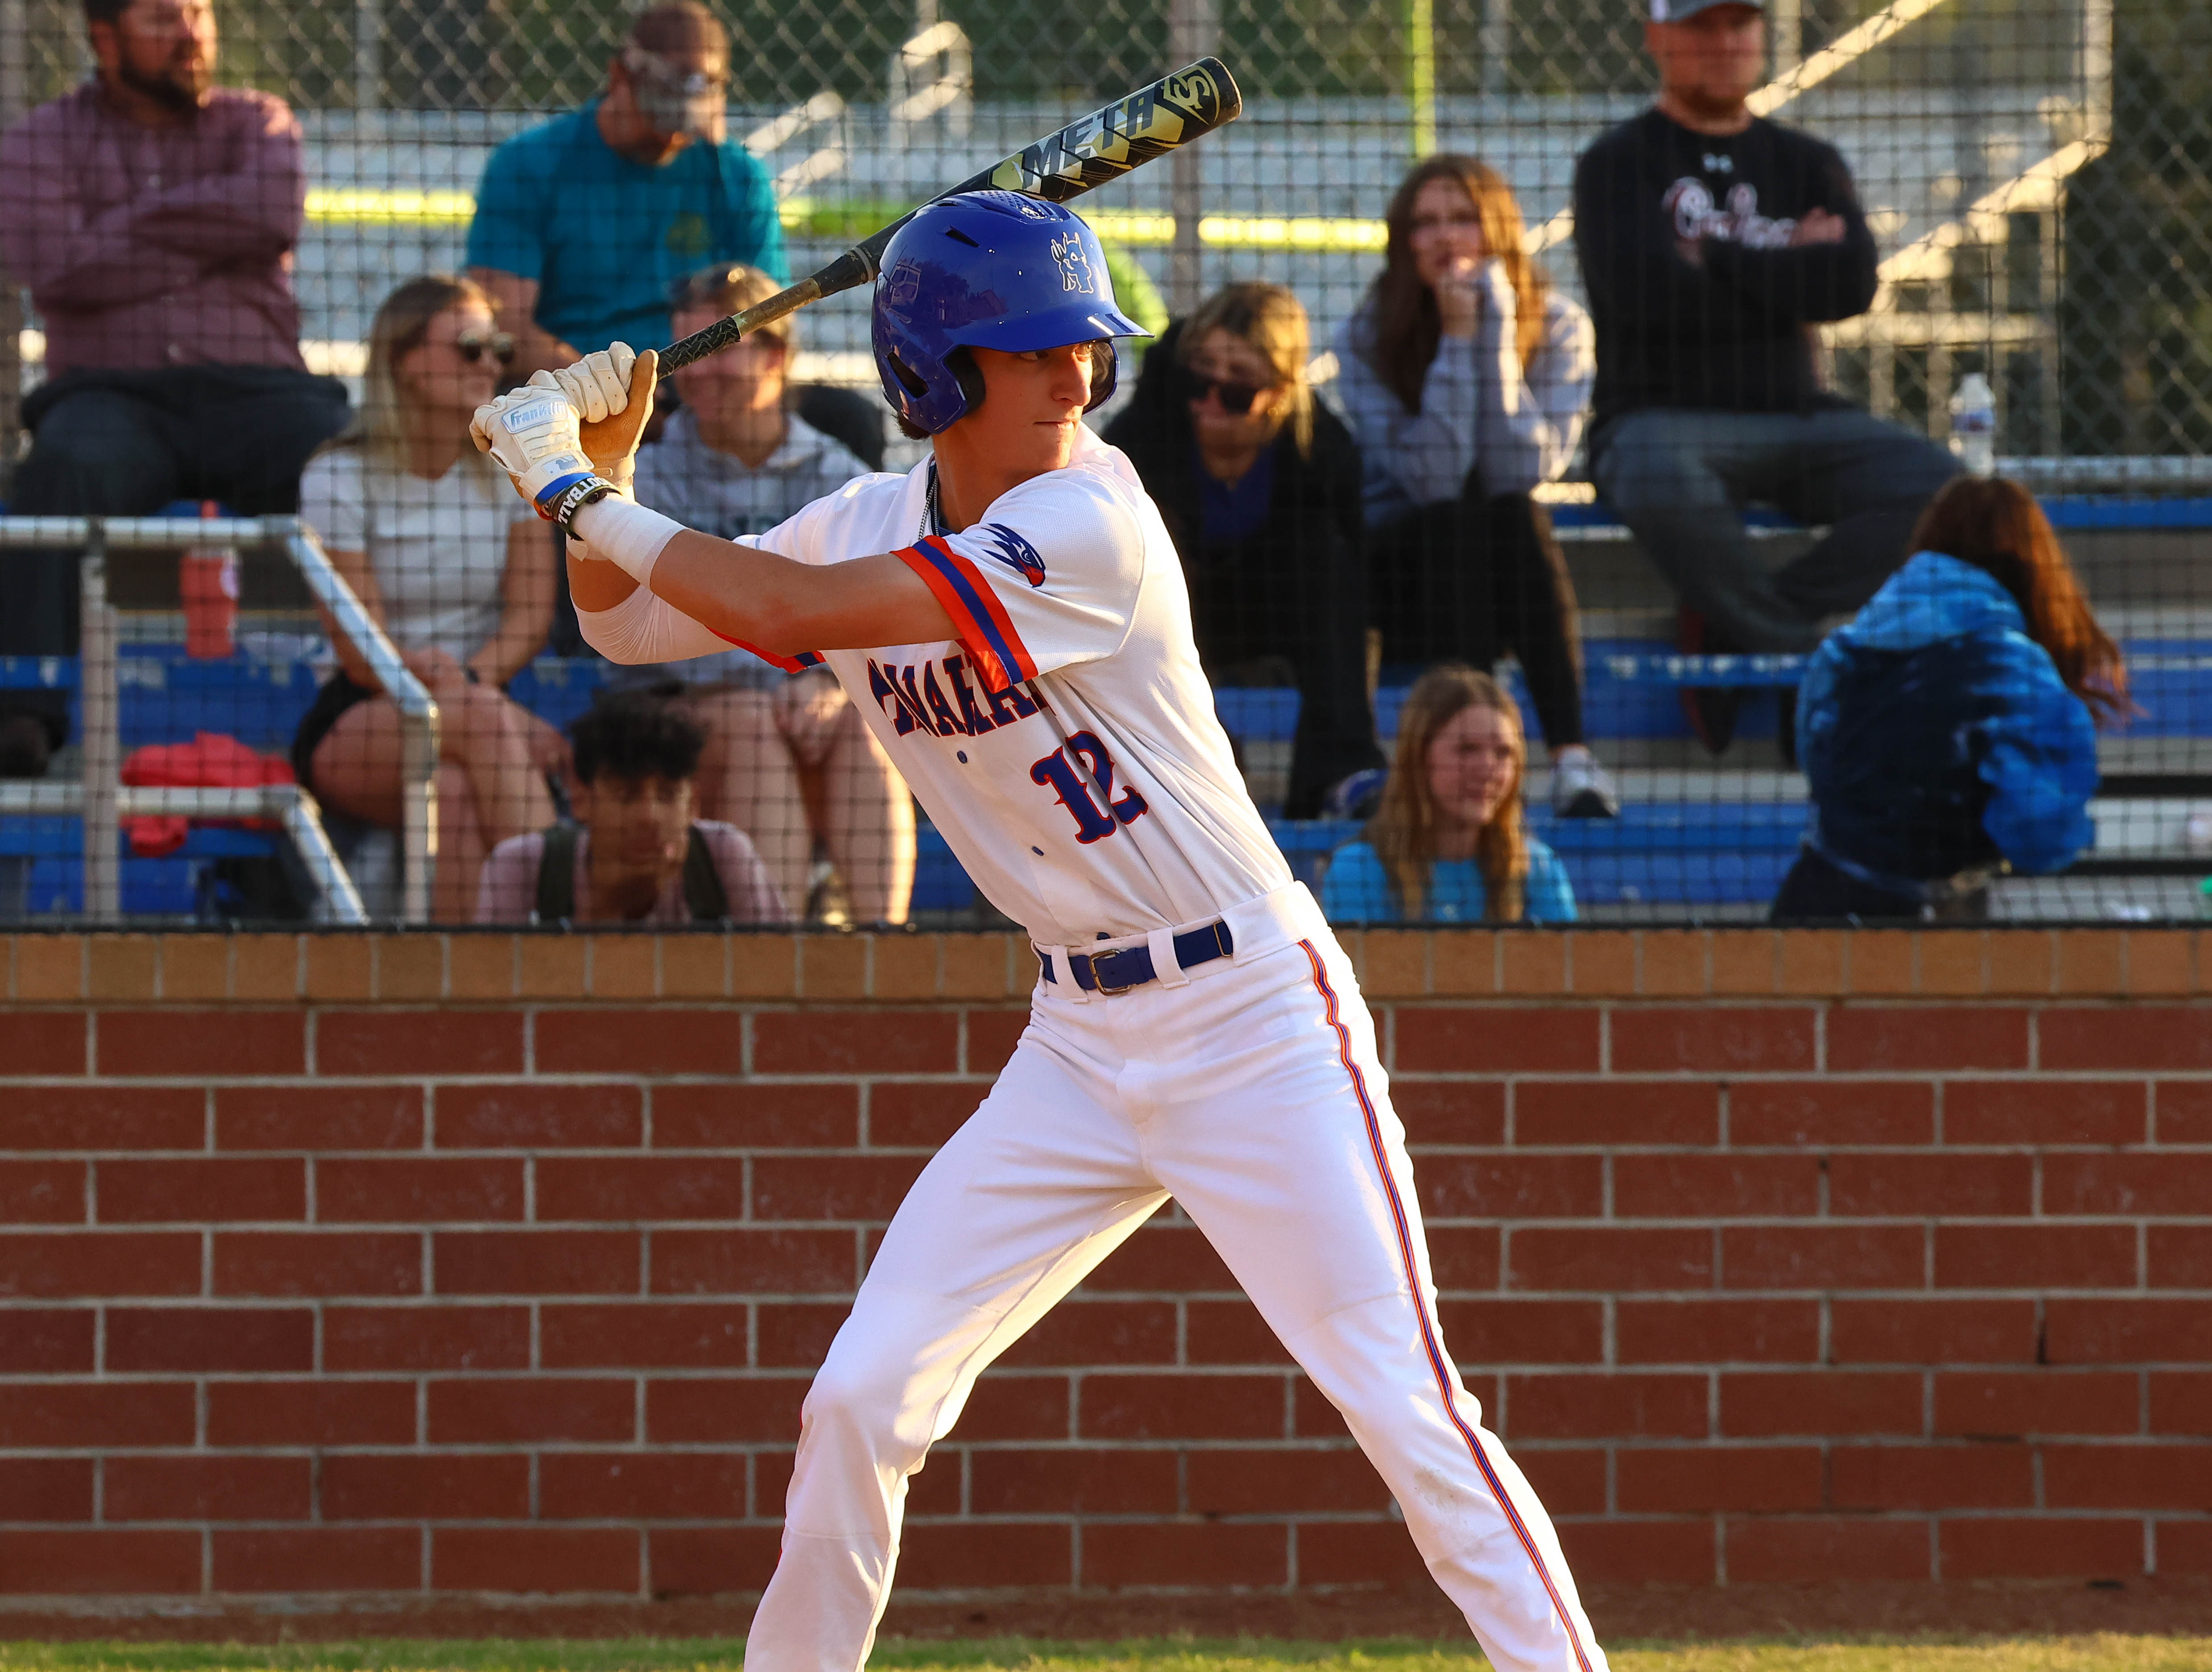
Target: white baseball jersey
(1087,793)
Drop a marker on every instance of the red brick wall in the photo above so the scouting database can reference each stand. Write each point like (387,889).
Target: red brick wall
(500,1264)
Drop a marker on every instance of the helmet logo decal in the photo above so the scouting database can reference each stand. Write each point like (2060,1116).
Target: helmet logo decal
(904,282)
(1015,552)
(1074,264)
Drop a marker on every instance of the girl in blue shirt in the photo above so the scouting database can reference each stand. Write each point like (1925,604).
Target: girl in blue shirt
(1447,845)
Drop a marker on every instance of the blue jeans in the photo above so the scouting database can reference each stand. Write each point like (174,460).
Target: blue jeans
(126,443)
(1679,478)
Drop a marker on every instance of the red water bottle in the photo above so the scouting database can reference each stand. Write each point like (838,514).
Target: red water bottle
(207,577)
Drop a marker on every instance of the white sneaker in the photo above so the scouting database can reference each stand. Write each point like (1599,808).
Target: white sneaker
(1581,789)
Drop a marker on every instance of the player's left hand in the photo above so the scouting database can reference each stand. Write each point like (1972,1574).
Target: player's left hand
(610,440)
(533,433)
(597,386)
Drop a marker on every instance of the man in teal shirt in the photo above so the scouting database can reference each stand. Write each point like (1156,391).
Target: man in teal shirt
(585,223)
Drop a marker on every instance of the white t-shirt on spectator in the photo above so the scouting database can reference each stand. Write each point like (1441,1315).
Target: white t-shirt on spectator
(438,550)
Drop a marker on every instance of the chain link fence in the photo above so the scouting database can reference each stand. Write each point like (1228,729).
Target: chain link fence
(2037,175)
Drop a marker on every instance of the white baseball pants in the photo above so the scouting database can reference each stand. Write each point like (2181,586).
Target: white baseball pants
(1251,1092)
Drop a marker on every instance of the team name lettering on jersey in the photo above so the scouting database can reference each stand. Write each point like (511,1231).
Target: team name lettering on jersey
(915,699)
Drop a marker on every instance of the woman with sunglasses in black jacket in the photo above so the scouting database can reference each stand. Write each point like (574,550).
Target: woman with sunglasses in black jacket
(1259,484)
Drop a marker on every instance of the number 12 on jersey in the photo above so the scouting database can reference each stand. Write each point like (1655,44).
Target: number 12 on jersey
(1057,772)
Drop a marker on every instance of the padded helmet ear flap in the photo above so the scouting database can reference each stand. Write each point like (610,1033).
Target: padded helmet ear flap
(909,379)
(1105,372)
(970,376)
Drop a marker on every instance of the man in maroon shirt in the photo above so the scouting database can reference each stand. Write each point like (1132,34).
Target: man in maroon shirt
(152,215)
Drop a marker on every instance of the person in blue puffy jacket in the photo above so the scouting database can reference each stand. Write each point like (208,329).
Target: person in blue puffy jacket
(1948,732)
(1447,843)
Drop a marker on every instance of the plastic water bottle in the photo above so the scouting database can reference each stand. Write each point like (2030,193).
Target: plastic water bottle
(207,580)
(1974,424)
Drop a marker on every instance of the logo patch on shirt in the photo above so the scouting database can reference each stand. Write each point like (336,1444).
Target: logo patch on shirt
(689,237)
(1015,552)
(1074,264)
(1690,202)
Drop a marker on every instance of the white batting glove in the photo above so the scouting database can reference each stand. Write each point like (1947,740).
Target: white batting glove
(533,432)
(597,385)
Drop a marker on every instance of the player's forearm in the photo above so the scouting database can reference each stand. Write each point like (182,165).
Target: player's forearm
(787,608)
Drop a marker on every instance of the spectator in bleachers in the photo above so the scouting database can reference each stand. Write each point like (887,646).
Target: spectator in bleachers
(1260,486)
(640,855)
(584,222)
(1949,731)
(1449,843)
(1712,243)
(457,570)
(788,758)
(152,215)
(1466,377)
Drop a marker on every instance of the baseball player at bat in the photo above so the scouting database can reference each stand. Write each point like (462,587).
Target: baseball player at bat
(1010,617)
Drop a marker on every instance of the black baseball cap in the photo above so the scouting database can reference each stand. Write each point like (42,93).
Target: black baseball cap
(1675,11)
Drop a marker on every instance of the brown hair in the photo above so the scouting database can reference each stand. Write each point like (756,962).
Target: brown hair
(1270,320)
(1406,325)
(1997,526)
(1403,832)
(730,288)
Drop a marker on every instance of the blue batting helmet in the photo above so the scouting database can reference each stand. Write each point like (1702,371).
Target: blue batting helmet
(987,269)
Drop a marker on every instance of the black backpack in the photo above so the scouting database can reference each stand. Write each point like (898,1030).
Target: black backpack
(704,896)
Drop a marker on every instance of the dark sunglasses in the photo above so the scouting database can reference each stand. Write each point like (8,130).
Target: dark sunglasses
(474,345)
(1236,399)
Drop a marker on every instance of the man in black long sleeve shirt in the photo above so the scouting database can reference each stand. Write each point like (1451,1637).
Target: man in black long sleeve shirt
(1712,242)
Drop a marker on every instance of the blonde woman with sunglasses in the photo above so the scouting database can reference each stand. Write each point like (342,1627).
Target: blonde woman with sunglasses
(432,540)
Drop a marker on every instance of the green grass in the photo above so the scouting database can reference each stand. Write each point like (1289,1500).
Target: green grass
(2105,1653)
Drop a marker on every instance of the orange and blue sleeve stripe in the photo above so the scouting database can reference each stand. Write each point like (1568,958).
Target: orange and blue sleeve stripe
(798,664)
(978,616)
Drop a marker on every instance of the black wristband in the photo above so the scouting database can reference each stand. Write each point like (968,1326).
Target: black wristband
(578,497)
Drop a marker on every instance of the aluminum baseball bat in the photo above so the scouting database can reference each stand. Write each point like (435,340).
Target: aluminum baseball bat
(1089,151)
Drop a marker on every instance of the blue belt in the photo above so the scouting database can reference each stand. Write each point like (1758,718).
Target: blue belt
(1126,967)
